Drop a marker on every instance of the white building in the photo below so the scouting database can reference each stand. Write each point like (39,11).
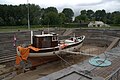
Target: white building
(97,24)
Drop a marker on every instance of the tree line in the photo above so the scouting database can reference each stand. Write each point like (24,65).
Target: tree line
(14,15)
(99,15)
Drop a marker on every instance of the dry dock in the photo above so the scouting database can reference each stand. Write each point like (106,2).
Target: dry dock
(85,71)
(96,42)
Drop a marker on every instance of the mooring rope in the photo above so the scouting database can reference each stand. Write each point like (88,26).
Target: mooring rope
(63,59)
(101,62)
(83,71)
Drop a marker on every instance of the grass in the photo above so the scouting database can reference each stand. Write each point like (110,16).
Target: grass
(36,27)
(17,28)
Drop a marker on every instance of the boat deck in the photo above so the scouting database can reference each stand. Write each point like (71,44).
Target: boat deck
(86,71)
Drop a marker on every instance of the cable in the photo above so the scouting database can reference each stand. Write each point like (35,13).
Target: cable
(68,63)
(62,59)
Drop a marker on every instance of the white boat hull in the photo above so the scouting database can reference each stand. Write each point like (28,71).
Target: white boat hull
(53,53)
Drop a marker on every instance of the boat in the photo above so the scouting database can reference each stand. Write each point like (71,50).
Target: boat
(45,47)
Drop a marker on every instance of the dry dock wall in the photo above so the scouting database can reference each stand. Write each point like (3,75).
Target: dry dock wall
(99,37)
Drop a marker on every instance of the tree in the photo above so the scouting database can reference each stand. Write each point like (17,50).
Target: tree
(51,18)
(24,21)
(77,19)
(109,18)
(36,21)
(68,14)
(61,18)
(100,15)
(45,20)
(51,9)
(103,15)
(35,13)
(11,21)
(1,22)
(83,12)
(116,17)
(83,17)
(18,15)
(90,15)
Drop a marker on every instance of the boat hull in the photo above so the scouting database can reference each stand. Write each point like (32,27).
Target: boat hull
(42,58)
(36,61)
(45,55)
(53,53)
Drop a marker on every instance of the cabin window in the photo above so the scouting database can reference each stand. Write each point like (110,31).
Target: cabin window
(54,38)
(46,38)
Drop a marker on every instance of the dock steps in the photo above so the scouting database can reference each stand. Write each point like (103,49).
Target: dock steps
(115,41)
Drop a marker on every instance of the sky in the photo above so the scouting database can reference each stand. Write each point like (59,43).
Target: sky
(75,5)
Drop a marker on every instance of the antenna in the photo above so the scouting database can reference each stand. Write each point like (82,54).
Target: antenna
(28,15)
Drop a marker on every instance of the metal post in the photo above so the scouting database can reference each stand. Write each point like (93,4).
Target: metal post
(28,15)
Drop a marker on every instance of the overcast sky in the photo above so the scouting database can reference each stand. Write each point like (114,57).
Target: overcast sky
(75,5)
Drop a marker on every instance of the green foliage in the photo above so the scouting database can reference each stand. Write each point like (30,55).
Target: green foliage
(1,21)
(51,9)
(51,18)
(24,21)
(98,15)
(90,15)
(82,18)
(62,18)
(17,15)
(68,14)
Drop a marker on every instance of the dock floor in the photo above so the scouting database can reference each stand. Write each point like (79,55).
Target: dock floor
(87,71)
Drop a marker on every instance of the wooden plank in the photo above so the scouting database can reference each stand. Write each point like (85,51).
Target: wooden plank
(106,71)
(112,44)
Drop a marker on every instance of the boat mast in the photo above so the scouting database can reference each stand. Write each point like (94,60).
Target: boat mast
(29,22)
(31,37)
(28,15)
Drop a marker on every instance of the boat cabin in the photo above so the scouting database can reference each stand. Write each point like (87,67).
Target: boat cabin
(45,40)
